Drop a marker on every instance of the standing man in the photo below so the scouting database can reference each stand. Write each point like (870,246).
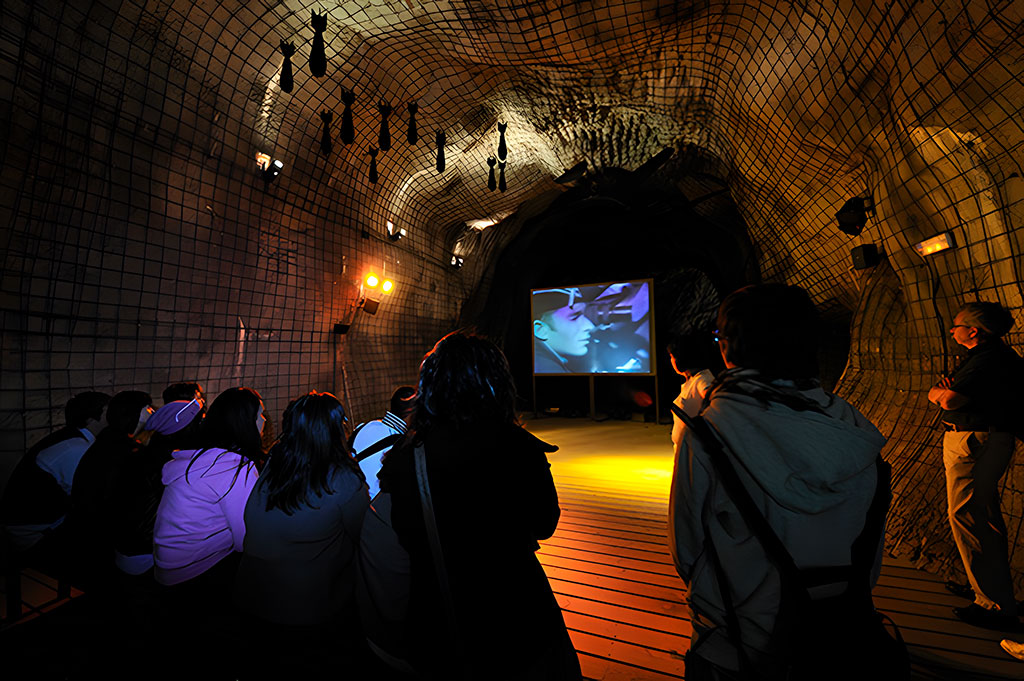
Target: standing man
(373,439)
(977,401)
(809,462)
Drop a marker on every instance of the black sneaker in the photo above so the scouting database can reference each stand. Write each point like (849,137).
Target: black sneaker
(987,619)
(960,590)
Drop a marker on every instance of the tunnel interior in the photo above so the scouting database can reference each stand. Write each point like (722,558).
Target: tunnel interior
(142,244)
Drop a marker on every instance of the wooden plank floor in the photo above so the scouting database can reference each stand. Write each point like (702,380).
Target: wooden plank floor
(611,571)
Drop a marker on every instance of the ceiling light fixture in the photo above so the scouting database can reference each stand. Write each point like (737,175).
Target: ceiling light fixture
(393,233)
(271,171)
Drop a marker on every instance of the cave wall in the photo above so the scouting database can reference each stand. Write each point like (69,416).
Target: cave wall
(140,245)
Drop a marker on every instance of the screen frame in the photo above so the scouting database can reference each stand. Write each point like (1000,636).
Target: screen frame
(653,340)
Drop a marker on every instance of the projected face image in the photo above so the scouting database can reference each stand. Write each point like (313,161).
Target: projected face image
(592,329)
(566,330)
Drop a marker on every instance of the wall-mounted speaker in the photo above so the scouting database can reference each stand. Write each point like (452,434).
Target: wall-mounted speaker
(865,256)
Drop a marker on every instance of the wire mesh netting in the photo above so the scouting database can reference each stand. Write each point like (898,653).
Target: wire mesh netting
(142,245)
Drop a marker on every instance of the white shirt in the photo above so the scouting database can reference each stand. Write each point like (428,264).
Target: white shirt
(690,399)
(369,434)
(61,460)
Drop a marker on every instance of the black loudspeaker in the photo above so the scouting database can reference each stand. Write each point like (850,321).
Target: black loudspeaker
(370,306)
(341,329)
(865,256)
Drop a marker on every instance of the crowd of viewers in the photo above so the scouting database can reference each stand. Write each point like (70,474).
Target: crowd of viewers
(406,546)
(180,520)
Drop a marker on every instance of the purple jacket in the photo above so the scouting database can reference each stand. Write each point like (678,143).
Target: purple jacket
(201,517)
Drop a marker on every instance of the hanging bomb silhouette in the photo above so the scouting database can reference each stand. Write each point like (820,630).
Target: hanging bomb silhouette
(287,82)
(439,139)
(373,166)
(318,55)
(501,176)
(502,147)
(348,133)
(384,140)
(325,133)
(412,136)
(491,184)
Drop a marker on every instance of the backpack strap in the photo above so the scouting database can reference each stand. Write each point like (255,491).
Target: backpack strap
(862,549)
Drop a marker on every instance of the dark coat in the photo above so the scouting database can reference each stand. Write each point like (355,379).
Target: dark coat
(493,499)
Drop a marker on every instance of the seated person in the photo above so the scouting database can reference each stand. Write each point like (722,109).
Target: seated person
(561,331)
(302,521)
(98,507)
(175,426)
(200,520)
(184,391)
(373,439)
(37,495)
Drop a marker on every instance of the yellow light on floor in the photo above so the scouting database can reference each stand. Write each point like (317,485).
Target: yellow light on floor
(372,280)
(935,244)
(387,286)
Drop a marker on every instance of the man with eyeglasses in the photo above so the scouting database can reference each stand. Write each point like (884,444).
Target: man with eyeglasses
(978,401)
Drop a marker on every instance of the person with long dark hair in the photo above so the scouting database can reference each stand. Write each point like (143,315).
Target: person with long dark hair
(493,498)
(302,522)
(199,522)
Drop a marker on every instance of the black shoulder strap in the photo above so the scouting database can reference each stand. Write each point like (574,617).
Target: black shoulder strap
(862,550)
(773,546)
(434,539)
(377,446)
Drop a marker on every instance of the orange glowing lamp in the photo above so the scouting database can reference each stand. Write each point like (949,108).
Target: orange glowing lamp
(387,286)
(372,280)
(938,243)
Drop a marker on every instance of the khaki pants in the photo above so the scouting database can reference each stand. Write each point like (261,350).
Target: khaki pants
(975,461)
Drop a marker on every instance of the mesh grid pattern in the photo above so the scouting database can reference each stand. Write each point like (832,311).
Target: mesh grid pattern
(140,246)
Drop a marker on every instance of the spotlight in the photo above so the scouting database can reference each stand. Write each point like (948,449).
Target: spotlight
(271,171)
(854,215)
(942,242)
(370,306)
(387,286)
(456,261)
(372,280)
(394,234)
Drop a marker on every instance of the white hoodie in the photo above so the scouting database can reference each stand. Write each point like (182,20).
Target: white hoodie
(813,478)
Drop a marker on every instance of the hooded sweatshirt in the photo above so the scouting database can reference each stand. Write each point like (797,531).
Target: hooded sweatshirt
(201,517)
(812,476)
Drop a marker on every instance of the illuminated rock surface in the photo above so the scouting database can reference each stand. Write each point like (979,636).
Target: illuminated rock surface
(141,246)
